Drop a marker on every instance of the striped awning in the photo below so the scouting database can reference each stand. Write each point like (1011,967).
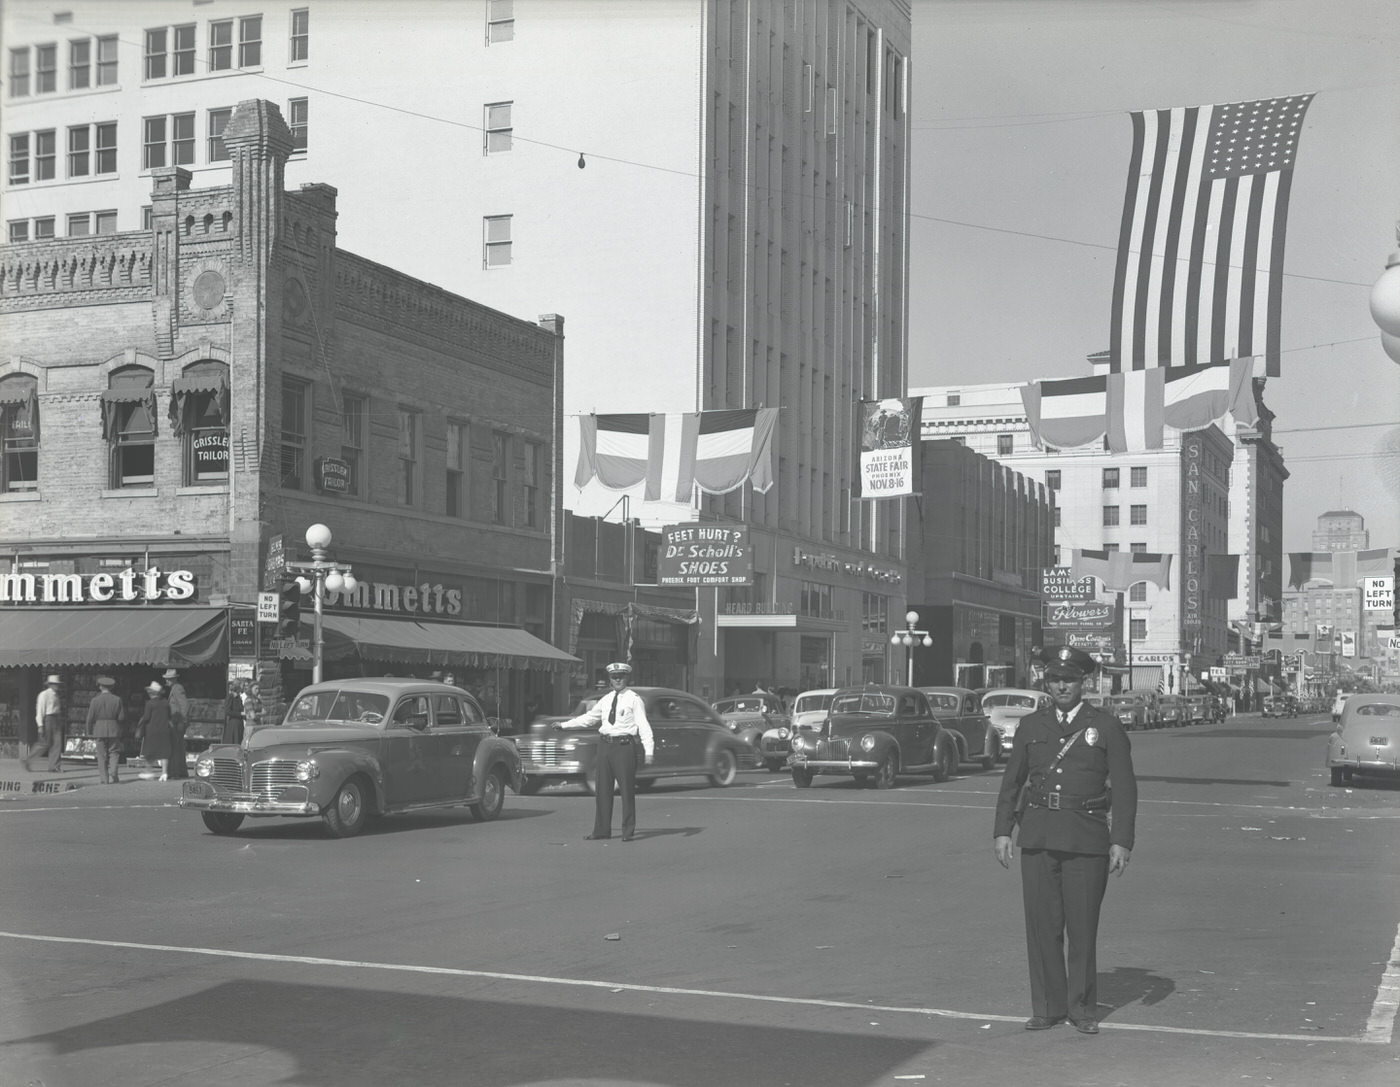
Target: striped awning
(73,637)
(1147,677)
(462,645)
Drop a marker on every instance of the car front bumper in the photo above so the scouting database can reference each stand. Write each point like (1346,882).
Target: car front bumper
(832,766)
(289,800)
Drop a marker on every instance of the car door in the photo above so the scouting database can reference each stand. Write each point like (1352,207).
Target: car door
(407,763)
(452,742)
(916,728)
(694,723)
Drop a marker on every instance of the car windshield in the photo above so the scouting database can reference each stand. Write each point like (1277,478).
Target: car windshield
(812,703)
(1010,701)
(868,702)
(947,703)
(343,704)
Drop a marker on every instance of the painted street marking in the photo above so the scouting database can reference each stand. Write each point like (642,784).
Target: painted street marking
(1381,1026)
(662,990)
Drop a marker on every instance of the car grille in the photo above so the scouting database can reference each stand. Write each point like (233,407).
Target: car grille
(774,746)
(227,776)
(267,777)
(833,749)
(548,753)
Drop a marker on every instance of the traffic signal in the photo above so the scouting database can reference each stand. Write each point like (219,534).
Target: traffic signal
(288,609)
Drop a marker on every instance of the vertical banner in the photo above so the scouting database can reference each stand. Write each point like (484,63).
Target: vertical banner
(889,440)
(1193,511)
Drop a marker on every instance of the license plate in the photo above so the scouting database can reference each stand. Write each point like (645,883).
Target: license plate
(1380,741)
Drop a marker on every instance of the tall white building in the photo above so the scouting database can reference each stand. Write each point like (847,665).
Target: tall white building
(713,193)
(1180,500)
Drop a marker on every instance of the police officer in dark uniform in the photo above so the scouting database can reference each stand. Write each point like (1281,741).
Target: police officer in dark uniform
(1076,815)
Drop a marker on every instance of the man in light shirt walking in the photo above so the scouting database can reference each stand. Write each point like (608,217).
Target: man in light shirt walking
(48,715)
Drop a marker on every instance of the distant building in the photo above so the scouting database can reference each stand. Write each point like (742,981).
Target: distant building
(1341,530)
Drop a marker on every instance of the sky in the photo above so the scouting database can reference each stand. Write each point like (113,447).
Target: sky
(1020,148)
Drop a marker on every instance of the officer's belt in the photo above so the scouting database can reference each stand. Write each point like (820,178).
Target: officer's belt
(1056,801)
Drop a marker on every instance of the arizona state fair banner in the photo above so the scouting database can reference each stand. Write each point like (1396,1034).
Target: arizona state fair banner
(889,434)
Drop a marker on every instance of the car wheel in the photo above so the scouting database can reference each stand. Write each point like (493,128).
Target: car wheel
(802,777)
(1336,775)
(345,815)
(724,768)
(991,744)
(773,766)
(532,784)
(644,784)
(885,773)
(945,764)
(493,796)
(225,822)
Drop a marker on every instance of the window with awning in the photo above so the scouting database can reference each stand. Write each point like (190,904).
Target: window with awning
(129,425)
(19,432)
(199,417)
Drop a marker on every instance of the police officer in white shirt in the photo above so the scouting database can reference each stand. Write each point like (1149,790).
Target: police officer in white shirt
(624,727)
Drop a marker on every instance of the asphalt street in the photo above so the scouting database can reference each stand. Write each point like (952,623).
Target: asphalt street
(751,936)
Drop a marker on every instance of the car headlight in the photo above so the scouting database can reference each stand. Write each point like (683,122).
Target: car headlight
(800,742)
(204,768)
(784,733)
(867,742)
(307,770)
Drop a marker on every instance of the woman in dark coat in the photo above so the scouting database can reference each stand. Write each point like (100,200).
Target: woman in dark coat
(233,716)
(153,729)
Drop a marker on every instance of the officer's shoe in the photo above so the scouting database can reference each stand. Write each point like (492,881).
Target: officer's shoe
(1044,1022)
(1086,1026)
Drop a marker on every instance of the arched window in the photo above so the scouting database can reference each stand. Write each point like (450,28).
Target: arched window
(129,425)
(199,414)
(19,431)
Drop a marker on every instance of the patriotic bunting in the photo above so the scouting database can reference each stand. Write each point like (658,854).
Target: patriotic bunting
(1337,567)
(1118,570)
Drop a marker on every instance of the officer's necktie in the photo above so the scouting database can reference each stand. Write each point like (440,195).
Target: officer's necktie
(1064,719)
(612,710)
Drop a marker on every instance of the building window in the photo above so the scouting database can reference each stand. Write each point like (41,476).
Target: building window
(19,73)
(496,240)
(295,402)
(79,225)
(43,228)
(19,432)
(301,35)
(500,21)
(1137,515)
(45,69)
(408,455)
(221,45)
(498,127)
(954,399)
(161,59)
(1110,547)
(1137,629)
(129,425)
(167,141)
(199,412)
(250,41)
(218,121)
(1052,479)
(18,230)
(1137,477)
(530,483)
(1004,445)
(107,61)
(23,168)
(1057,516)
(500,464)
(1137,592)
(105,222)
(458,457)
(1138,548)
(352,441)
(80,62)
(1110,478)
(296,120)
(815,600)
(92,149)
(1110,515)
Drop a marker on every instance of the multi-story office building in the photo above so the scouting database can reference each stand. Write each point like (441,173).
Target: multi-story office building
(1178,500)
(714,191)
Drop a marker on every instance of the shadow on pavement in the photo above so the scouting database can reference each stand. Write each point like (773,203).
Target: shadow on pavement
(336,1037)
(1133,985)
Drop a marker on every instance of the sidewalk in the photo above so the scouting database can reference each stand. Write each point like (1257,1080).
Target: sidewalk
(17,783)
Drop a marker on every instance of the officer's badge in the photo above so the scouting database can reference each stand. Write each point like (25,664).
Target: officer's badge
(1091,736)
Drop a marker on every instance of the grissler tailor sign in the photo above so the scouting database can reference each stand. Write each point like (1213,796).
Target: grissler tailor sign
(707,554)
(333,475)
(124,587)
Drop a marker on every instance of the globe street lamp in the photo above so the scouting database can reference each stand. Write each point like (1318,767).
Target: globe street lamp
(909,637)
(324,577)
(1385,303)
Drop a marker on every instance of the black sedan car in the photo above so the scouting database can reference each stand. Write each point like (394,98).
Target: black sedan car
(875,733)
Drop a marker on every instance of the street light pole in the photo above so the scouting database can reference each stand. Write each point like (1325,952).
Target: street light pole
(325,576)
(909,637)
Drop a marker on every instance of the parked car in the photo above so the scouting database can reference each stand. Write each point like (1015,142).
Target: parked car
(1279,706)
(1202,708)
(809,710)
(1367,739)
(960,710)
(1005,706)
(1173,711)
(351,748)
(749,716)
(1338,705)
(690,739)
(1130,709)
(875,733)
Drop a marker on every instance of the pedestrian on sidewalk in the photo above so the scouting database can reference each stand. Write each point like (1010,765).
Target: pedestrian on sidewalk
(233,714)
(48,714)
(179,722)
(1074,832)
(624,728)
(104,725)
(153,730)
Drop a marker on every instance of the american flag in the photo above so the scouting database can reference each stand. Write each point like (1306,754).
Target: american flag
(1199,277)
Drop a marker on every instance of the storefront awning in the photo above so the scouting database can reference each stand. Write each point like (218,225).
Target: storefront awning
(69,637)
(460,645)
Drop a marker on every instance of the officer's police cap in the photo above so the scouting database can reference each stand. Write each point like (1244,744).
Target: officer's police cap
(619,668)
(1065,660)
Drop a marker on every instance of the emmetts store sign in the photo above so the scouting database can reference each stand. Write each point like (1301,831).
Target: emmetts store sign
(123,586)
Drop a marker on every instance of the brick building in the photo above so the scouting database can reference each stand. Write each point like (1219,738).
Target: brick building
(179,401)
